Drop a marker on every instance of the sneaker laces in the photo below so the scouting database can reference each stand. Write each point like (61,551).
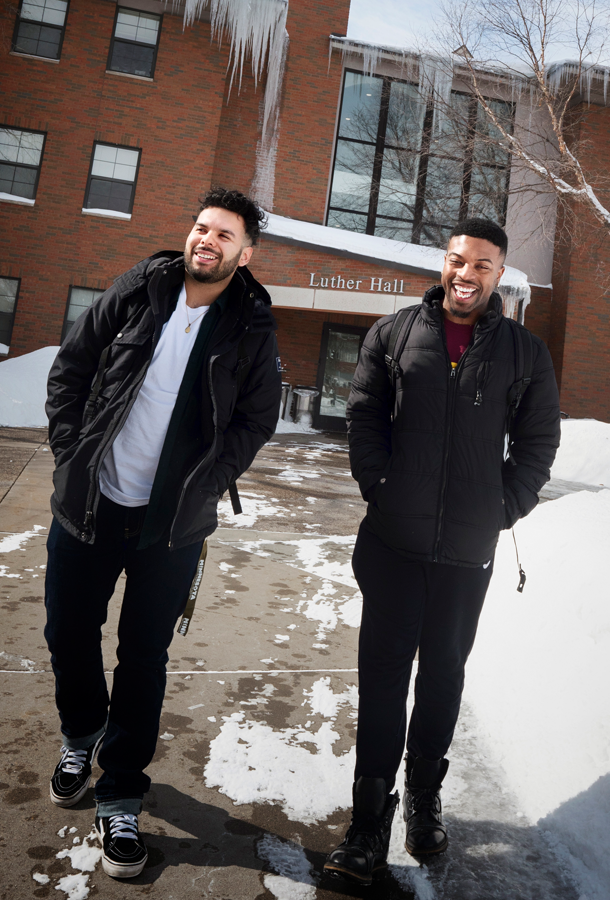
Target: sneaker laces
(72,761)
(123,826)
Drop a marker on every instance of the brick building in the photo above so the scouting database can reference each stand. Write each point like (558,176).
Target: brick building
(116,117)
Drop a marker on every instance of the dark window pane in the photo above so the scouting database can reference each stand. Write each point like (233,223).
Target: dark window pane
(405,117)
(396,231)
(80,300)
(38,40)
(6,328)
(132,59)
(435,235)
(8,296)
(398,184)
(360,107)
(18,180)
(340,365)
(443,190)
(488,193)
(109,195)
(347,220)
(352,176)
(488,136)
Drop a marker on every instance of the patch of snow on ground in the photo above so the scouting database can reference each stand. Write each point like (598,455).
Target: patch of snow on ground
(252,763)
(254,506)
(285,427)
(539,676)
(294,879)
(75,886)
(23,388)
(84,857)
(14,541)
(584,452)
(40,878)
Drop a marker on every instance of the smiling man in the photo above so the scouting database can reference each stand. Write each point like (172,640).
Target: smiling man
(453,425)
(159,398)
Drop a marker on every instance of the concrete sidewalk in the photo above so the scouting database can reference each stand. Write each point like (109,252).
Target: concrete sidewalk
(262,692)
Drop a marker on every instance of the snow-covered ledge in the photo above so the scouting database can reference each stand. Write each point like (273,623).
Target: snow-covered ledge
(13,198)
(106,213)
(412,258)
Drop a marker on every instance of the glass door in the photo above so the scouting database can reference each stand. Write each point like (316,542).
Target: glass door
(338,359)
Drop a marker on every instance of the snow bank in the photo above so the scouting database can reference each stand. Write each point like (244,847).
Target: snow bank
(23,388)
(539,676)
(584,452)
(285,427)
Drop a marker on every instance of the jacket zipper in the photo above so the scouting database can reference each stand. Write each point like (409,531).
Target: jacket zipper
(453,380)
(208,455)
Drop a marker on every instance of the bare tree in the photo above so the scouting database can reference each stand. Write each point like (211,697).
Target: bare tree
(505,48)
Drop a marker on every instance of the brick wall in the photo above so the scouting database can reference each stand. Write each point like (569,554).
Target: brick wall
(538,313)
(580,331)
(299,337)
(174,119)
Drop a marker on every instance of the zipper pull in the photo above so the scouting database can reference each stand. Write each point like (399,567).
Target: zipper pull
(453,371)
(479,397)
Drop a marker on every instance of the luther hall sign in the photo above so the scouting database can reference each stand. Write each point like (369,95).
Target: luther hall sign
(353,284)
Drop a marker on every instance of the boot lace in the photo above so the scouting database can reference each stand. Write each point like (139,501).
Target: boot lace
(72,761)
(123,826)
(425,800)
(366,827)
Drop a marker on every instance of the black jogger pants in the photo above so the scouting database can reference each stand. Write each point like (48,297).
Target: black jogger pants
(410,604)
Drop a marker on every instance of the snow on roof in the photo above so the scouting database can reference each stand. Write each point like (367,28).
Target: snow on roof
(369,248)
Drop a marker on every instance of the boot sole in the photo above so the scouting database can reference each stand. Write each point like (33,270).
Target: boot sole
(416,853)
(347,875)
(66,802)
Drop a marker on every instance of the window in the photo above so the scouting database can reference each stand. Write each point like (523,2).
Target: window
(133,49)
(20,157)
(112,179)
(79,299)
(9,288)
(407,172)
(40,27)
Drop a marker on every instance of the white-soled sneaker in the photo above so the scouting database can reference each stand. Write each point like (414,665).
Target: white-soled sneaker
(72,774)
(124,853)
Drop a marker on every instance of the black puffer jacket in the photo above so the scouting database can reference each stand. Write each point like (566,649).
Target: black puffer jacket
(129,317)
(435,478)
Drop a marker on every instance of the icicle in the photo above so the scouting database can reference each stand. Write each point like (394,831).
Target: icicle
(515,298)
(256,28)
(435,81)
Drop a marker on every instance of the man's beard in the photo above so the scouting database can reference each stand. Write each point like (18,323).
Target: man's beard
(222,270)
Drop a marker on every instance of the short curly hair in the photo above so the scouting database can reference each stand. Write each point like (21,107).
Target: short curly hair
(485,229)
(236,202)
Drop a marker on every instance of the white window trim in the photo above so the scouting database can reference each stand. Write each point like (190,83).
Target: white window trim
(31,56)
(15,198)
(106,213)
(129,75)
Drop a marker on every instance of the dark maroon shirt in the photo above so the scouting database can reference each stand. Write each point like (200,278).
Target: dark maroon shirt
(458,338)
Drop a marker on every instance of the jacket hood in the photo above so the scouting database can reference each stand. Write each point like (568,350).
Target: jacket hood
(261,318)
(433,302)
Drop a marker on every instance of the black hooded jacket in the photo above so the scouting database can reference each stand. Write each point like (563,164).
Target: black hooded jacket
(434,473)
(238,413)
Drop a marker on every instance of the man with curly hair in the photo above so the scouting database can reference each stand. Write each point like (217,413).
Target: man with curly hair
(159,398)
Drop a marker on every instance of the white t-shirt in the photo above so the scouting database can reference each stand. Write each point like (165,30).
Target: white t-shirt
(128,471)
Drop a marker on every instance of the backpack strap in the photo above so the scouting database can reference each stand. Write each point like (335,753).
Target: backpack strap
(524,362)
(399,335)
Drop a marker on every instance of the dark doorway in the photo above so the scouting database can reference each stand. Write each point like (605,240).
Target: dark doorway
(338,359)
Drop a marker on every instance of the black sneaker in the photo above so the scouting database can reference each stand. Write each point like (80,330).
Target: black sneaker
(125,853)
(73,773)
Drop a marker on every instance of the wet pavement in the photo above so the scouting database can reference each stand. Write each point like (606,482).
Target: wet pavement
(252,775)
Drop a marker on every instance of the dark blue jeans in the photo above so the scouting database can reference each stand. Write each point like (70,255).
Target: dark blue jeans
(410,604)
(80,581)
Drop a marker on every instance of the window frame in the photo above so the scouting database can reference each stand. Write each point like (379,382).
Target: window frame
(118,180)
(71,287)
(26,165)
(113,37)
(425,155)
(18,280)
(61,28)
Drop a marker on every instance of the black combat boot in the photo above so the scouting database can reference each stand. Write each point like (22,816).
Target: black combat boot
(426,833)
(364,851)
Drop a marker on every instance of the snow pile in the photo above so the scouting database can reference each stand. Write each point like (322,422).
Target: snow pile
(251,762)
(415,257)
(295,875)
(584,452)
(285,427)
(539,677)
(23,388)
(84,857)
